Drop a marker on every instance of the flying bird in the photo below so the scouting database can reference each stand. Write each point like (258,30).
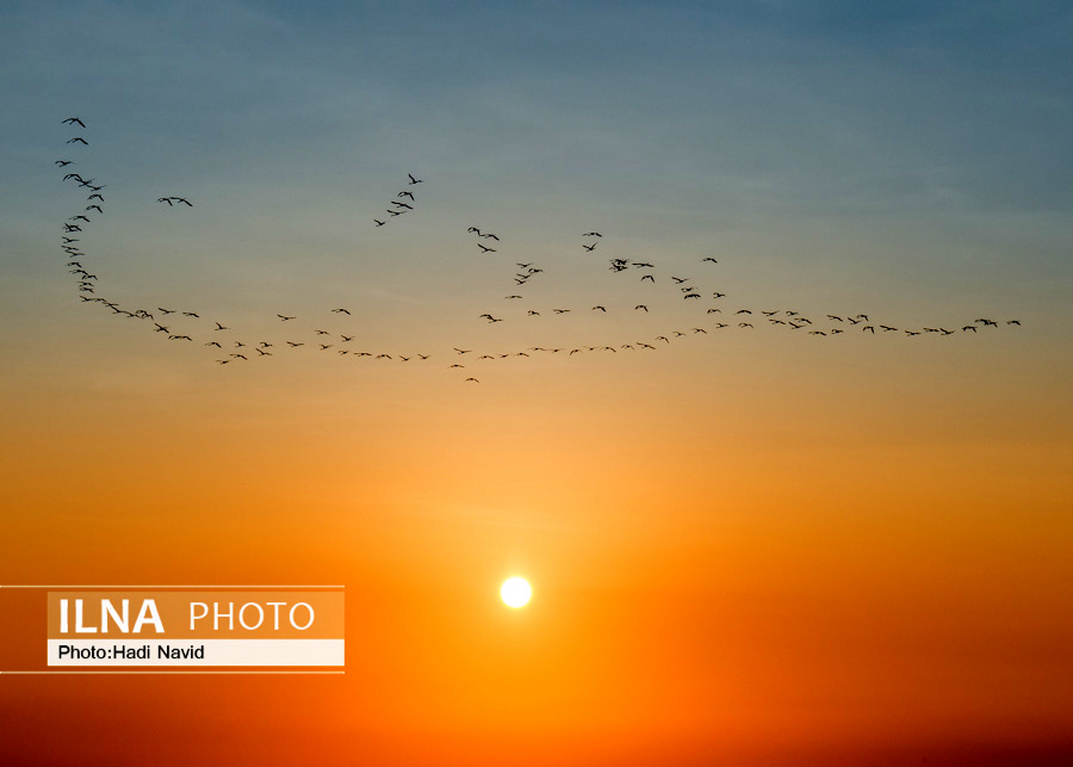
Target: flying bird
(72,120)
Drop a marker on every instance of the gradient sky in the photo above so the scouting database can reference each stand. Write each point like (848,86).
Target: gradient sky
(748,546)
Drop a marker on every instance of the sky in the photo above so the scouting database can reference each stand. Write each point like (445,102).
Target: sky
(783,450)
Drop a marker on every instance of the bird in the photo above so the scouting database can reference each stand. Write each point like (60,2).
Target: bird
(640,306)
(284,318)
(404,193)
(590,248)
(592,234)
(165,199)
(709,258)
(415,180)
(342,311)
(63,163)
(78,140)
(378,222)
(72,120)
(485,249)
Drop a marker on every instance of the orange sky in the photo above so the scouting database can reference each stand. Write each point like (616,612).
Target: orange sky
(746,569)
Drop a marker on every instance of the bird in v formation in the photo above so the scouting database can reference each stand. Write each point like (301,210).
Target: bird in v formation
(789,318)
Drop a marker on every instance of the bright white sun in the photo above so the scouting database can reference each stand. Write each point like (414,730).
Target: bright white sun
(516,592)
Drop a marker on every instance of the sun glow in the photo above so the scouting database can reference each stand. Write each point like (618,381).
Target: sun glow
(516,592)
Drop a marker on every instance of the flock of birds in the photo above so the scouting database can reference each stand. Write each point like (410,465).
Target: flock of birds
(331,333)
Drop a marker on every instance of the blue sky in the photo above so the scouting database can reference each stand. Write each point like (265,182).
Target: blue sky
(826,147)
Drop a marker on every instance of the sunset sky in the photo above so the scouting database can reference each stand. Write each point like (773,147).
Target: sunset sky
(765,544)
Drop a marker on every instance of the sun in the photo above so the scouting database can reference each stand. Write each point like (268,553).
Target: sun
(516,591)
